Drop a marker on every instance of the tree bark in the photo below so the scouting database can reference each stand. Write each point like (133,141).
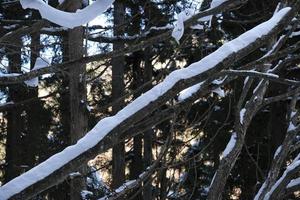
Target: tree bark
(148,135)
(118,162)
(77,85)
(14,119)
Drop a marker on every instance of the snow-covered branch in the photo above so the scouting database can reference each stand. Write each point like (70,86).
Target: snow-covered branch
(67,19)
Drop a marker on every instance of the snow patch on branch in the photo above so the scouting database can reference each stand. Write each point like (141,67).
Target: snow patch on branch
(178,30)
(220,92)
(293,183)
(278,150)
(230,145)
(188,92)
(216,3)
(292,166)
(242,115)
(67,19)
(39,63)
(291,127)
(93,137)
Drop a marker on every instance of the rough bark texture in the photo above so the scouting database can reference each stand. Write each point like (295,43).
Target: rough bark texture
(14,119)
(148,135)
(77,84)
(118,163)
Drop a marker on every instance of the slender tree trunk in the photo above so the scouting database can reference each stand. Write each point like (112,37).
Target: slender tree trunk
(14,119)
(118,163)
(148,135)
(137,165)
(34,128)
(77,85)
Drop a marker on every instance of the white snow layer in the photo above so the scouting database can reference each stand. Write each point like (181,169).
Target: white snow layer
(230,145)
(178,30)
(216,3)
(291,167)
(67,19)
(293,183)
(242,114)
(104,126)
(188,92)
(39,63)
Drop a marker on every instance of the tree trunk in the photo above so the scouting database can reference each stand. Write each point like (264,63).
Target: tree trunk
(77,85)
(34,128)
(148,135)
(118,163)
(14,119)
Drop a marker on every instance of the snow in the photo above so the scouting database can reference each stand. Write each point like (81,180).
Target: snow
(9,75)
(32,82)
(74,174)
(216,3)
(291,167)
(258,86)
(178,30)
(242,114)
(219,92)
(188,92)
(277,151)
(104,126)
(230,145)
(291,127)
(294,34)
(39,63)
(257,196)
(128,183)
(213,4)
(85,194)
(120,189)
(67,19)
(293,183)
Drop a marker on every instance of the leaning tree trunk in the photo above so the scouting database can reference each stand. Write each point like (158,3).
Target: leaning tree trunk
(118,163)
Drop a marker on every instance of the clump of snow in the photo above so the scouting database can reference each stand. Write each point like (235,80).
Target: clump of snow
(257,196)
(74,174)
(242,114)
(293,183)
(9,75)
(178,30)
(183,16)
(32,82)
(219,92)
(230,144)
(39,63)
(291,127)
(67,19)
(128,183)
(85,194)
(216,3)
(277,151)
(94,136)
(188,92)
